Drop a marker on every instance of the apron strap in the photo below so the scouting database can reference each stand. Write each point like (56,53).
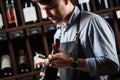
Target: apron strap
(77,41)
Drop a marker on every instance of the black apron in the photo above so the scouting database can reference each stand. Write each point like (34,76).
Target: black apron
(75,50)
(70,73)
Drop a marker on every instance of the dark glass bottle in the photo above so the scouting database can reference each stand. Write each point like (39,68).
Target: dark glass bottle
(45,70)
(6,67)
(106,3)
(84,5)
(56,46)
(1,20)
(116,2)
(37,77)
(29,12)
(102,4)
(23,66)
(118,18)
(11,14)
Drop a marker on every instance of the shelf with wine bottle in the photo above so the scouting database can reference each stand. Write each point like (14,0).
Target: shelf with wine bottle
(22,35)
(23,62)
(29,12)
(6,66)
(1,20)
(11,14)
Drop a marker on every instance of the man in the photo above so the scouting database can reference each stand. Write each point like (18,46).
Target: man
(87,43)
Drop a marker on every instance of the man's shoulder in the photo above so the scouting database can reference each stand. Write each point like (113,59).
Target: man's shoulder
(90,15)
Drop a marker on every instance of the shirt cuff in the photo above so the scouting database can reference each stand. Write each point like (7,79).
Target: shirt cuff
(91,66)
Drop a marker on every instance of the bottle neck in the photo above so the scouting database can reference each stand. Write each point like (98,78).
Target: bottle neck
(1,21)
(22,59)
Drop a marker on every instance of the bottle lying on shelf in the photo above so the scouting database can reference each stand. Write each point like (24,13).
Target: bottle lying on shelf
(6,67)
(3,36)
(23,66)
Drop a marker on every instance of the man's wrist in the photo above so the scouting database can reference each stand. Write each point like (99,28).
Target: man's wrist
(74,63)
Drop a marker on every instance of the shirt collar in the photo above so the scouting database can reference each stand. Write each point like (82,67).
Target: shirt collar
(71,20)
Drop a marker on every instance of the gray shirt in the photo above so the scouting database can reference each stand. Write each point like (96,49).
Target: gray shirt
(97,39)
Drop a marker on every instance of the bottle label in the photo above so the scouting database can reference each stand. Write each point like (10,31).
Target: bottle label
(43,13)
(11,15)
(5,62)
(38,60)
(1,21)
(8,13)
(30,14)
(118,14)
(8,16)
(22,59)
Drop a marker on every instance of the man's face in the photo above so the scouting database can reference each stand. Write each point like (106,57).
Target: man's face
(55,10)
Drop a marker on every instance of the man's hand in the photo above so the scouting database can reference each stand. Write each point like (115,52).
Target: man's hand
(60,60)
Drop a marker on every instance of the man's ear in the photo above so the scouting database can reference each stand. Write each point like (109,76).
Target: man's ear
(66,2)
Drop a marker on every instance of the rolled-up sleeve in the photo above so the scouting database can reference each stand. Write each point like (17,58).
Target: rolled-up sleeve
(101,40)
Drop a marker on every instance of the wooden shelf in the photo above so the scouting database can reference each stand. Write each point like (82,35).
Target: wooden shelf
(107,10)
(21,75)
(42,36)
(26,26)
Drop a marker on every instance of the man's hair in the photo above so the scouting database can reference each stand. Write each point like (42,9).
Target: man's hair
(45,1)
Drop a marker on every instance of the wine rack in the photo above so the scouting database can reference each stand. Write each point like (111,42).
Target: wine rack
(38,35)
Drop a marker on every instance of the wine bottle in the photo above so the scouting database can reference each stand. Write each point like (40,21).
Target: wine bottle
(99,4)
(88,5)
(116,2)
(80,5)
(8,12)
(37,77)
(1,20)
(23,66)
(11,14)
(43,14)
(84,5)
(39,60)
(118,17)
(108,16)
(56,46)
(106,4)
(6,67)
(44,68)
(30,14)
